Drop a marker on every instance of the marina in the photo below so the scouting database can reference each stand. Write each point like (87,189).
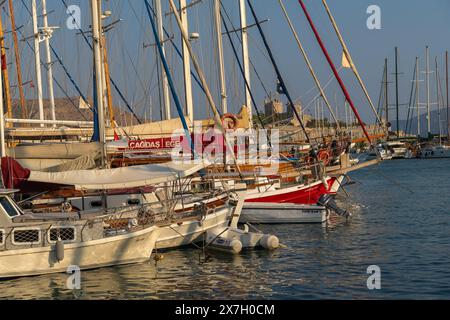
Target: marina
(174,153)
(319,261)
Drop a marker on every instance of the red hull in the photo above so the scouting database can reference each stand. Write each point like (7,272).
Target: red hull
(308,195)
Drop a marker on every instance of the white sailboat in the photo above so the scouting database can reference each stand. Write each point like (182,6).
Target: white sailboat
(37,244)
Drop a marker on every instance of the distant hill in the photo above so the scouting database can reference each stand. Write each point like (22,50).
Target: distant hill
(69,109)
(424,123)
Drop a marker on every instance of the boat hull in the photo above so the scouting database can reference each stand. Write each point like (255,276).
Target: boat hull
(117,250)
(185,233)
(438,153)
(272,213)
(300,194)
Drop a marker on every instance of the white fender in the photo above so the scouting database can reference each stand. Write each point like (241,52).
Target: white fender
(269,242)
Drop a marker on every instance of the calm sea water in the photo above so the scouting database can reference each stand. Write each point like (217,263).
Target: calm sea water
(401,222)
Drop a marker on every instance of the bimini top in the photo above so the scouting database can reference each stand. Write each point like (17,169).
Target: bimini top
(126,177)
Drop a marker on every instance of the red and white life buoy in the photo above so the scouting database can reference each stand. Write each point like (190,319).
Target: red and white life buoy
(229,121)
(324,156)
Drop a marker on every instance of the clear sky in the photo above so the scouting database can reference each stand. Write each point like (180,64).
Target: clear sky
(408,24)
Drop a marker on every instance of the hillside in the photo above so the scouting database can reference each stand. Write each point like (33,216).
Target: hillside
(424,124)
(69,109)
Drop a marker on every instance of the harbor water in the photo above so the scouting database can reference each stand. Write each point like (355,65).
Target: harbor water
(400,223)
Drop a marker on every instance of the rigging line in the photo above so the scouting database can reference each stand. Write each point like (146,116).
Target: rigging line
(69,76)
(410,100)
(157,69)
(212,104)
(393,181)
(177,50)
(280,77)
(308,63)
(139,52)
(215,58)
(241,68)
(250,59)
(349,58)
(119,92)
(134,68)
(333,67)
(54,78)
(314,151)
(440,96)
(169,79)
(413,110)
(381,96)
(199,50)
(77,88)
(318,95)
(158,83)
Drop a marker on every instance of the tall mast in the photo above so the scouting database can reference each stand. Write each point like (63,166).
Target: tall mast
(336,73)
(96,39)
(418,97)
(164,82)
(308,63)
(245,58)
(37,60)
(350,60)
(23,103)
(2,122)
(346,116)
(438,101)
(447,95)
(428,91)
(107,79)
(191,55)
(223,84)
(186,63)
(386,100)
(4,66)
(47,35)
(396,92)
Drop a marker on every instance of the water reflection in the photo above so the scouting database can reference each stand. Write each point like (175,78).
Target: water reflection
(404,233)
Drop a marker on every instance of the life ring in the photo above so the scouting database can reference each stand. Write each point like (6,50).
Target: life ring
(227,124)
(324,156)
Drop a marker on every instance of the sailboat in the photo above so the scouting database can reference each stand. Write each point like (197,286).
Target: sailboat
(436,149)
(37,148)
(41,244)
(161,193)
(433,152)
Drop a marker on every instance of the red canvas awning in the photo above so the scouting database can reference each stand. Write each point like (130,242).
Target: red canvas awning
(14,175)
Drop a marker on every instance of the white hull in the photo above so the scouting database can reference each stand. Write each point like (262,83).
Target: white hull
(116,250)
(188,232)
(279,213)
(170,236)
(435,153)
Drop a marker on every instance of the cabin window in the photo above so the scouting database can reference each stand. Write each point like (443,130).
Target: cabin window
(134,202)
(66,234)
(9,207)
(96,204)
(26,236)
(2,237)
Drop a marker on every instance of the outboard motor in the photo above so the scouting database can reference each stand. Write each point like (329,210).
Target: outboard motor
(328,202)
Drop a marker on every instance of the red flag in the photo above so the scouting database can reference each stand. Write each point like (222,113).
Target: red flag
(116,136)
